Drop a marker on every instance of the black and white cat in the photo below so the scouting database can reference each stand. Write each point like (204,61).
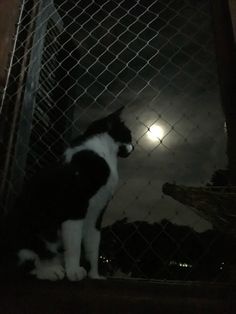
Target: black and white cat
(61,208)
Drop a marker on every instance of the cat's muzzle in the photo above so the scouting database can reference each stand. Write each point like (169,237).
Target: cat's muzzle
(125,150)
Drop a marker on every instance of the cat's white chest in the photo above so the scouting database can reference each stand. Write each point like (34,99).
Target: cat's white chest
(105,148)
(100,200)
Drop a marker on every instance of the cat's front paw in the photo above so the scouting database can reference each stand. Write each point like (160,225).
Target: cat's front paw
(95,275)
(76,273)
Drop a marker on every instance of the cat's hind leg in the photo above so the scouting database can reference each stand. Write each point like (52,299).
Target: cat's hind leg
(47,262)
(51,269)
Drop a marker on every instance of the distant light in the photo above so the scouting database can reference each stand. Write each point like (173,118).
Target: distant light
(155,133)
(185,265)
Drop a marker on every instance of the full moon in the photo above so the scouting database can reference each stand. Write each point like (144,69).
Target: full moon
(155,133)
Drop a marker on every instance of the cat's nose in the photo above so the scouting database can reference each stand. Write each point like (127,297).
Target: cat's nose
(129,148)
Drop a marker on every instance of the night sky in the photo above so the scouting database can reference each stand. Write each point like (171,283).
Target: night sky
(157,58)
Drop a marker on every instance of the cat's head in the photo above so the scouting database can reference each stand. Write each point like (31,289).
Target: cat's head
(116,128)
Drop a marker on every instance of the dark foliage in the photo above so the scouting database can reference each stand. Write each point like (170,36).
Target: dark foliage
(166,251)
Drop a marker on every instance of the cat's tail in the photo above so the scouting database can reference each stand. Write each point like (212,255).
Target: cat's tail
(26,255)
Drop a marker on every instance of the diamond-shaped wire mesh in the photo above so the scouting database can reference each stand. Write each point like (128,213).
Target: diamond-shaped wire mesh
(157,58)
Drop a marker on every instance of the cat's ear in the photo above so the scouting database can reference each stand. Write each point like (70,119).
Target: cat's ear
(114,117)
(117,113)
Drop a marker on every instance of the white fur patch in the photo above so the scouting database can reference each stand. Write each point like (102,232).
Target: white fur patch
(49,270)
(105,147)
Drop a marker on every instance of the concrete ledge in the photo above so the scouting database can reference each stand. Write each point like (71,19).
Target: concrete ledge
(115,296)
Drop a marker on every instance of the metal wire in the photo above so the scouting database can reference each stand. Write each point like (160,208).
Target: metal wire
(156,57)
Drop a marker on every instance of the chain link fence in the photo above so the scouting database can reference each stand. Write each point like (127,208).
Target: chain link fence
(84,59)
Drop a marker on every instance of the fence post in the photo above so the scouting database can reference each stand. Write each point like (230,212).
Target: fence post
(17,171)
(226,59)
